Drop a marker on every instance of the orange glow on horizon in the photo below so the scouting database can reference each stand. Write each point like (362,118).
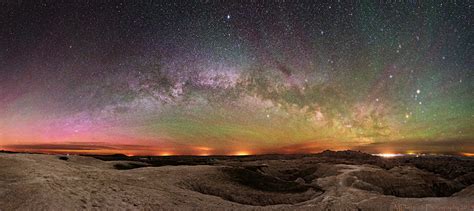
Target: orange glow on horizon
(198,150)
(204,154)
(203,151)
(388,155)
(165,154)
(241,153)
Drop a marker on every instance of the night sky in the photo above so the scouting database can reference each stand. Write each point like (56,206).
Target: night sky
(236,77)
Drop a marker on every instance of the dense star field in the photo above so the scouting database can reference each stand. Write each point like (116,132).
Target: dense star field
(236,77)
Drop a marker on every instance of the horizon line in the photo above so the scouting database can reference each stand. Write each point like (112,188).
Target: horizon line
(462,154)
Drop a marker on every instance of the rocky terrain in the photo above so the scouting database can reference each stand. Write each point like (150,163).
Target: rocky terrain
(346,180)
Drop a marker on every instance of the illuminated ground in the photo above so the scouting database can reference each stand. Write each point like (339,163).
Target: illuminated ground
(342,180)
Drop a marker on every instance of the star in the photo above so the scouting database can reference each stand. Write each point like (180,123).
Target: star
(192,74)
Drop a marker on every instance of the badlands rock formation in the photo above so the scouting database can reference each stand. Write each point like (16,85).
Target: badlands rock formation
(330,180)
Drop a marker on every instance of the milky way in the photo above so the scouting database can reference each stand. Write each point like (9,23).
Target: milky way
(236,77)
